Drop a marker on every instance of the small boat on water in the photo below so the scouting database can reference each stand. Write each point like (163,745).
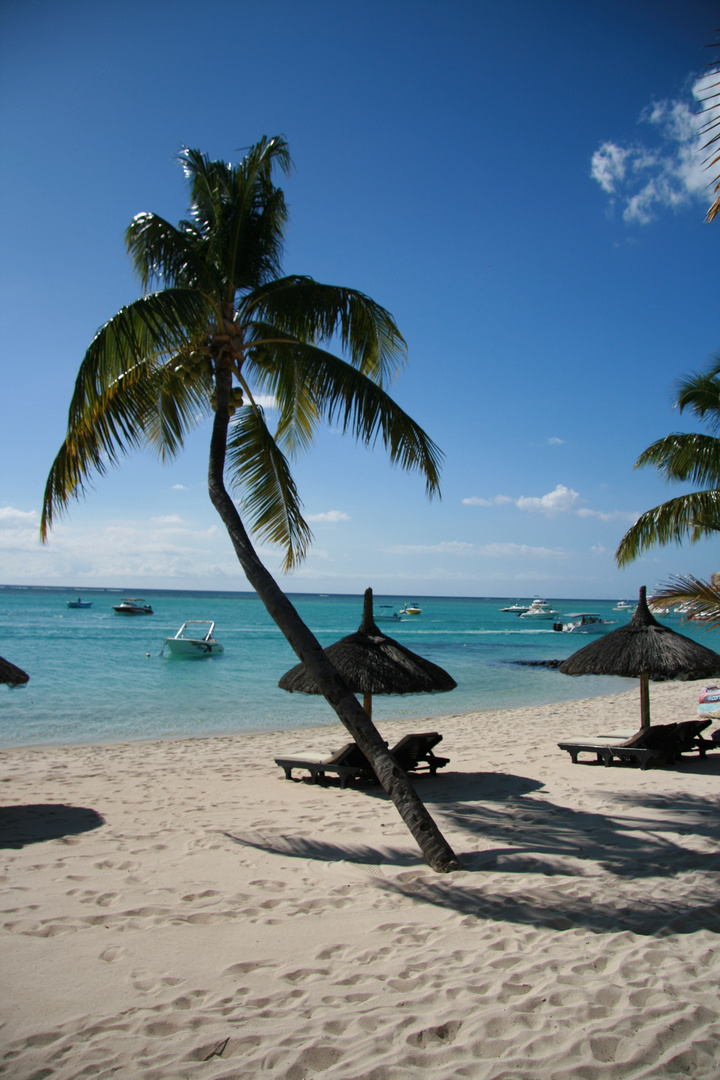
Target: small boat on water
(191,643)
(625,605)
(515,609)
(133,605)
(410,609)
(79,603)
(386,613)
(584,622)
(539,609)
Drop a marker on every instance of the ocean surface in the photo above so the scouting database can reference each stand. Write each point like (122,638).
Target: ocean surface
(98,677)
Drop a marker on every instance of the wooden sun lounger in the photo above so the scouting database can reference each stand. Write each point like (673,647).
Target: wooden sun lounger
(348,762)
(413,753)
(661,743)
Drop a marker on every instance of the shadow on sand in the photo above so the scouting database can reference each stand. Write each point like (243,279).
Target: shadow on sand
(33,824)
(564,850)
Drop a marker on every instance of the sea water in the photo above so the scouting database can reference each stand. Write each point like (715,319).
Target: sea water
(96,676)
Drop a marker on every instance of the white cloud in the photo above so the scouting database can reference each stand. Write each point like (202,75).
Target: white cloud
(178,487)
(560,500)
(671,174)
(445,547)
(331,516)
(611,515)
(554,441)
(19,529)
(523,550)
(497,500)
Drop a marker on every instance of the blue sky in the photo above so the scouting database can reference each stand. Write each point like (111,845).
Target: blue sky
(519,184)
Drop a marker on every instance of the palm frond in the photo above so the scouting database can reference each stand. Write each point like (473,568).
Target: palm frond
(685,457)
(148,406)
(699,600)
(347,397)
(688,517)
(700,392)
(239,212)
(260,471)
(150,330)
(162,253)
(308,311)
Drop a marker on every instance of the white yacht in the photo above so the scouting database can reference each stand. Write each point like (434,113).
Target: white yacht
(540,609)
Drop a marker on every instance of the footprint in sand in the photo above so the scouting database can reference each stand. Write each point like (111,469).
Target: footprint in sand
(112,953)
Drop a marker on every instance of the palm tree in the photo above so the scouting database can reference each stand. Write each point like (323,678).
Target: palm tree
(685,457)
(711,107)
(223,326)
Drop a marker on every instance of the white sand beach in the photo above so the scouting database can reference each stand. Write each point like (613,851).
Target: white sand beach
(180,910)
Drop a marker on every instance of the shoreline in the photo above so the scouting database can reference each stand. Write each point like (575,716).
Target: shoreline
(177,908)
(426,719)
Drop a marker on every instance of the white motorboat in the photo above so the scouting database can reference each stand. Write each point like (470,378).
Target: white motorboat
(584,622)
(79,603)
(515,609)
(189,642)
(386,613)
(410,609)
(539,609)
(625,605)
(133,605)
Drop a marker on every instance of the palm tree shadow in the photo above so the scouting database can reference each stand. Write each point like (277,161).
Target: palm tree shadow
(35,823)
(526,835)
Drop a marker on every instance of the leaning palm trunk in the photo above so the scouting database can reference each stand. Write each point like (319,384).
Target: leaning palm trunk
(438,853)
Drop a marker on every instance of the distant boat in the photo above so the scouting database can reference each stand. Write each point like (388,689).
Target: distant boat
(539,609)
(516,609)
(386,613)
(79,603)
(587,622)
(625,605)
(190,643)
(410,609)
(133,606)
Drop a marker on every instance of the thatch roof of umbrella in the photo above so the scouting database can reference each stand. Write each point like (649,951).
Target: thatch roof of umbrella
(645,649)
(11,674)
(370,663)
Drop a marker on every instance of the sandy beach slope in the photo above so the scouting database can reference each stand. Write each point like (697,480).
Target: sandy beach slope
(180,910)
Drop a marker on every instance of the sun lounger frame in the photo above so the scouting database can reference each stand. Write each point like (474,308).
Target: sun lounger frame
(414,753)
(664,743)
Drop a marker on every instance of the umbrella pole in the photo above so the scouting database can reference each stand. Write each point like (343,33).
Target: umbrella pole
(367,705)
(644,699)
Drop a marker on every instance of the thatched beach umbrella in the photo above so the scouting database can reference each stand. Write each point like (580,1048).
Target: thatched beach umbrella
(645,649)
(15,676)
(372,663)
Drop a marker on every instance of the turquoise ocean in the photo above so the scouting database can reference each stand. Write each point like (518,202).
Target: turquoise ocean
(98,677)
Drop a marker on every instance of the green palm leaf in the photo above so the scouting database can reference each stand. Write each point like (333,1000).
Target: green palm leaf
(269,495)
(148,331)
(685,457)
(308,311)
(160,252)
(689,517)
(147,406)
(700,600)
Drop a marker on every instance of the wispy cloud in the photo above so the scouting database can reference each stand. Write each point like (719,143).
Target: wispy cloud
(19,529)
(561,500)
(462,547)
(497,500)
(331,516)
(445,547)
(554,441)
(671,173)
